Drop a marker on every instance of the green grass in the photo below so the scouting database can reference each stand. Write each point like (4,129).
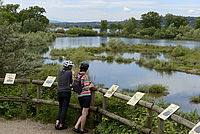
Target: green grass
(155,88)
(195,99)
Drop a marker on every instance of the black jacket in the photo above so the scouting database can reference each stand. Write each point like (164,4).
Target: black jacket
(64,80)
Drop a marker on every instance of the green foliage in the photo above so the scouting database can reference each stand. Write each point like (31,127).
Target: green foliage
(155,88)
(197,24)
(148,31)
(195,99)
(130,26)
(151,19)
(113,28)
(115,44)
(81,32)
(171,32)
(178,51)
(60,31)
(12,56)
(9,13)
(104,26)
(31,19)
(39,38)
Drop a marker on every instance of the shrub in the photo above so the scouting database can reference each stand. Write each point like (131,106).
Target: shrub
(155,88)
(195,99)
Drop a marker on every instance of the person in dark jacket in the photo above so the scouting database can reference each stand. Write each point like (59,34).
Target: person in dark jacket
(64,93)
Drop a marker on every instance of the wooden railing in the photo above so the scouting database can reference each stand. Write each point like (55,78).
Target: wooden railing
(150,106)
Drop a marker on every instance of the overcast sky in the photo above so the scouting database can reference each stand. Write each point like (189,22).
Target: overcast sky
(112,10)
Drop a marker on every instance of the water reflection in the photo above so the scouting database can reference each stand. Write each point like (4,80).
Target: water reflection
(67,42)
(181,85)
(135,56)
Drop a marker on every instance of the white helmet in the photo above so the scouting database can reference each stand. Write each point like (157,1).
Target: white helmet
(68,63)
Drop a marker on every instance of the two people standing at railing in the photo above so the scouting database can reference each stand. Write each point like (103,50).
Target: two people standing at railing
(64,94)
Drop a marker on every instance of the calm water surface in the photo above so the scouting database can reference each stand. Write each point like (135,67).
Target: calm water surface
(97,41)
(181,85)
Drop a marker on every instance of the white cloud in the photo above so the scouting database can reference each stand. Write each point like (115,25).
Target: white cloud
(193,12)
(126,9)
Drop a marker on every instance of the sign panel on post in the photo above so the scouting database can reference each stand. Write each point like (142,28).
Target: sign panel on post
(196,129)
(135,98)
(168,111)
(49,81)
(111,91)
(9,79)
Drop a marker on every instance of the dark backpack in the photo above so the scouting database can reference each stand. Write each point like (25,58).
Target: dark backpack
(77,86)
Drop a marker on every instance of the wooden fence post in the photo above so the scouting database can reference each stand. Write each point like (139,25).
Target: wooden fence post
(24,104)
(38,97)
(91,112)
(104,105)
(149,119)
(160,126)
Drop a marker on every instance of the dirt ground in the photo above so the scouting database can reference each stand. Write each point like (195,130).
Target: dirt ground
(30,127)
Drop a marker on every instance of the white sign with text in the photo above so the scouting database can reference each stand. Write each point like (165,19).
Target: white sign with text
(133,101)
(111,91)
(168,111)
(9,78)
(49,81)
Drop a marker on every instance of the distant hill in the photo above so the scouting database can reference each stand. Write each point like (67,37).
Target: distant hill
(96,23)
(54,21)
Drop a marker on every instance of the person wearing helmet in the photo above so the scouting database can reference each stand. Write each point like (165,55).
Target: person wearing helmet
(64,93)
(84,98)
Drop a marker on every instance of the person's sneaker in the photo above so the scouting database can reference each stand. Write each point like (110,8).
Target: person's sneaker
(63,127)
(84,131)
(76,130)
(56,127)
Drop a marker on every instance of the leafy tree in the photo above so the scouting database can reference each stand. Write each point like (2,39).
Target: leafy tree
(180,21)
(197,24)
(177,20)
(113,28)
(171,32)
(151,19)
(104,26)
(119,26)
(12,56)
(148,31)
(169,19)
(23,15)
(33,19)
(9,13)
(130,26)
(90,27)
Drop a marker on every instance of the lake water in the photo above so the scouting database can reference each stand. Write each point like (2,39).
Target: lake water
(97,41)
(128,76)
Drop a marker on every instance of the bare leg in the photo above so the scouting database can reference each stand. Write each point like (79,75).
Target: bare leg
(78,122)
(84,117)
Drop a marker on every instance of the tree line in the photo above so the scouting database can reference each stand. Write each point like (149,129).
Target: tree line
(30,19)
(150,26)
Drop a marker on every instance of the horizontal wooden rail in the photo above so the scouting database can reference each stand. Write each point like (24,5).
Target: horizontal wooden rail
(154,107)
(15,99)
(22,81)
(100,110)
(40,82)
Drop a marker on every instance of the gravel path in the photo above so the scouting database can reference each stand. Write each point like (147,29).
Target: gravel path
(30,127)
